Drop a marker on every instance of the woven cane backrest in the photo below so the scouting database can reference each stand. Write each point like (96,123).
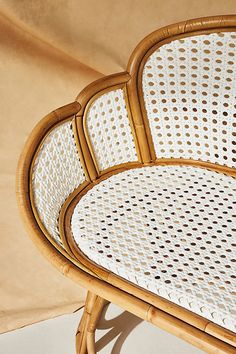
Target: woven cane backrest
(189,89)
(57,171)
(109,130)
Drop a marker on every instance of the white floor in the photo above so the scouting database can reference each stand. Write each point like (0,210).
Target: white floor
(119,333)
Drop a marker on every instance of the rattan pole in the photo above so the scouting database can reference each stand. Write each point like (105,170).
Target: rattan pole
(80,332)
(93,321)
(81,342)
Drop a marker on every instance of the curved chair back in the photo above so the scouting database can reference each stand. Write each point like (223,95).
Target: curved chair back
(175,104)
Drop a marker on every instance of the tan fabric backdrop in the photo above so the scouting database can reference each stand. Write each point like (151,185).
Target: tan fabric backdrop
(49,51)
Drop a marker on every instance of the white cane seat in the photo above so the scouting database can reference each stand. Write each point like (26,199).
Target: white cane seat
(169,229)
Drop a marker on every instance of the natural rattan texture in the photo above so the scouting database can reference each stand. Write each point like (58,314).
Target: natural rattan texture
(57,171)
(169,229)
(152,229)
(109,131)
(189,88)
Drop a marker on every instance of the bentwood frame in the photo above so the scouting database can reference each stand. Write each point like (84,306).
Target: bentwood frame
(101,284)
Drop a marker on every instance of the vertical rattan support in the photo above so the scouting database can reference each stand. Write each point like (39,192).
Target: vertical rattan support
(85,336)
(93,322)
(138,120)
(89,163)
(81,338)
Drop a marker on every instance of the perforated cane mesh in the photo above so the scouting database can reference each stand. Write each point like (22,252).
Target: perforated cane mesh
(109,130)
(168,229)
(189,88)
(57,171)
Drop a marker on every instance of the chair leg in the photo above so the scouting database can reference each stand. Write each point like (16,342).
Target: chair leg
(93,321)
(85,336)
(81,340)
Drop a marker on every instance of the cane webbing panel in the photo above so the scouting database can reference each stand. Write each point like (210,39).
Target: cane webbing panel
(57,171)
(189,88)
(109,130)
(168,229)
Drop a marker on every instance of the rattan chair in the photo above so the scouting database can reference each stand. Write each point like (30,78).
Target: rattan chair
(130,190)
